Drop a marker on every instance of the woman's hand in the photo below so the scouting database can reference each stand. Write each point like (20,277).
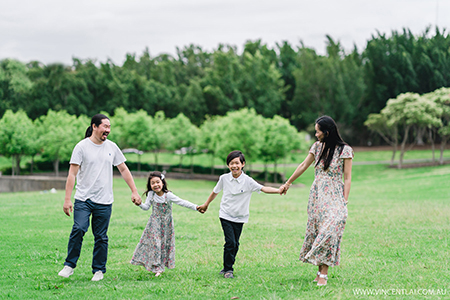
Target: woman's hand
(284,188)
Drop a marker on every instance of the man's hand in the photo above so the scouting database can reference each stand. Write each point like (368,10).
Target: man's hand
(67,207)
(136,199)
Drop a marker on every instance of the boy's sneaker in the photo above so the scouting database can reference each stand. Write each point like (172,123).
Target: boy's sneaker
(222,272)
(97,276)
(228,274)
(66,272)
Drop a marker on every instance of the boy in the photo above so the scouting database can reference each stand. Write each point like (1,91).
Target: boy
(234,207)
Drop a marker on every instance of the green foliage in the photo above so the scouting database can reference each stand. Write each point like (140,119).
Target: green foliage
(261,84)
(221,83)
(279,139)
(290,81)
(132,130)
(182,136)
(57,136)
(405,63)
(240,130)
(17,136)
(407,111)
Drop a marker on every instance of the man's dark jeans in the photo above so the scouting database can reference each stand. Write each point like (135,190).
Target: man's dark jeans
(100,222)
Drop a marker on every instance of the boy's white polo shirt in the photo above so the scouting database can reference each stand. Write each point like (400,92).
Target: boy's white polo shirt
(237,193)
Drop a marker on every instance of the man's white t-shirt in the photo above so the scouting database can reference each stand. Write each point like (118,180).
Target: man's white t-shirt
(95,176)
(237,193)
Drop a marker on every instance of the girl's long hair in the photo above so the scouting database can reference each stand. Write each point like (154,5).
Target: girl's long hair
(331,140)
(97,120)
(160,176)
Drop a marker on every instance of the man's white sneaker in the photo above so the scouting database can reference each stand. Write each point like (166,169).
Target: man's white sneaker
(97,276)
(66,272)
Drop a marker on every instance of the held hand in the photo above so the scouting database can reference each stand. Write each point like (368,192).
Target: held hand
(136,199)
(67,207)
(284,188)
(202,208)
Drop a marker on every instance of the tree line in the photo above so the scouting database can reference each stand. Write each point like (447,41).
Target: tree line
(293,82)
(54,135)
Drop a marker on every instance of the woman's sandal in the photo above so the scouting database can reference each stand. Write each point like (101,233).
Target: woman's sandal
(316,279)
(323,276)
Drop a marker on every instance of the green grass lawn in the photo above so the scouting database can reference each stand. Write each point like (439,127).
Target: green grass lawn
(397,238)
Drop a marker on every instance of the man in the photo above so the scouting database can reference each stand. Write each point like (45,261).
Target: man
(92,164)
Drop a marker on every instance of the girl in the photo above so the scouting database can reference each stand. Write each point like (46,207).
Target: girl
(156,248)
(328,198)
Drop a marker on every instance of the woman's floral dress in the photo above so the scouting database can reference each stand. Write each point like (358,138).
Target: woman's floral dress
(156,248)
(327,210)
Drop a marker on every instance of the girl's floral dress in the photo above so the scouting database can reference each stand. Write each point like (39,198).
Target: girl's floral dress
(327,210)
(156,248)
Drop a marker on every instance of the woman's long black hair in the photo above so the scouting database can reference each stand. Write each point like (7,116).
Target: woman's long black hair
(97,120)
(331,139)
(160,176)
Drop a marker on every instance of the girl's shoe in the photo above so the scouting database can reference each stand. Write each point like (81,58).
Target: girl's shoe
(316,279)
(323,276)
(158,274)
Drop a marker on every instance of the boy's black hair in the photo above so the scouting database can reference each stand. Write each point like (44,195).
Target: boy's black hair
(234,154)
(160,176)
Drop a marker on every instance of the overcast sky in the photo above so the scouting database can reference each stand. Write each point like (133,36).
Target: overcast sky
(57,30)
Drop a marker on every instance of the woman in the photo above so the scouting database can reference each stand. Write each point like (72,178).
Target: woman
(328,198)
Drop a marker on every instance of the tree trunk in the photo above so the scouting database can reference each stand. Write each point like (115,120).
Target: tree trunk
(13,158)
(394,150)
(394,145)
(156,158)
(266,175)
(18,164)
(443,144)
(420,134)
(431,137)
(32,165)
(56,167)
(402,148)
(275,172)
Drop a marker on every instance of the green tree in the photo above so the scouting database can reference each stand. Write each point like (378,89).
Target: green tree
(409,110)
(183,137)
(287,63)
(442,98)
(280,138)
(261,85)
(241,130)
(389,131)
(194,104)
(221,83)
(15,86)
(16,133)
(209,137)
(55,140)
